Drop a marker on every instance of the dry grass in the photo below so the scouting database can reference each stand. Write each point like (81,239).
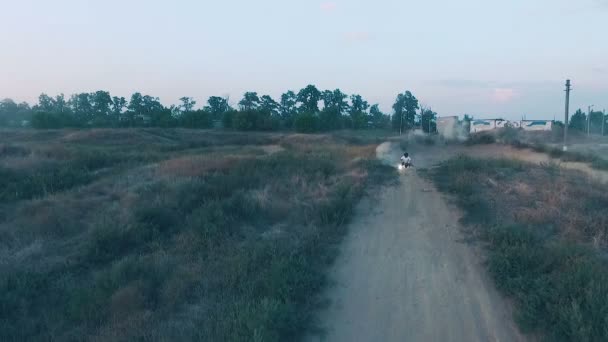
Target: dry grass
(546,234)
(194,166)
(188,235)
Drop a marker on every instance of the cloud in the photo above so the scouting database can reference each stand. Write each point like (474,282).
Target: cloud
(358,36)
(502,95)
(328,6)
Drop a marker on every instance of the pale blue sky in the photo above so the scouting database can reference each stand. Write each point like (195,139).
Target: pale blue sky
(487,58)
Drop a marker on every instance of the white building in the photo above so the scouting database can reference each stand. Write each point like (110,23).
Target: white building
(483,125)
(537,125)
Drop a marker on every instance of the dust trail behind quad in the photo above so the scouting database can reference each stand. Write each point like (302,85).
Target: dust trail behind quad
(404,273)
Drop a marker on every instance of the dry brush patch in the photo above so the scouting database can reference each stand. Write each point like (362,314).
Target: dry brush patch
(204,243)
(545,234)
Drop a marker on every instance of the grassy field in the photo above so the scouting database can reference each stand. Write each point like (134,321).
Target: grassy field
(546,233)
(163,235)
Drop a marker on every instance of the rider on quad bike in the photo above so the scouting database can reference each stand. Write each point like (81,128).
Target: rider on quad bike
(406,161)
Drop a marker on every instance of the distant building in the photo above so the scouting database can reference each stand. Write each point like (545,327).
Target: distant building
(527,125)
(482,125)
(500,123)
(537,125)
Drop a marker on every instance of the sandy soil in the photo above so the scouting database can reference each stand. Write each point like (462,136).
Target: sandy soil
(405,274)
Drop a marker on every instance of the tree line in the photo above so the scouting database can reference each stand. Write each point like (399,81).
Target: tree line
(308,110)
(578,121)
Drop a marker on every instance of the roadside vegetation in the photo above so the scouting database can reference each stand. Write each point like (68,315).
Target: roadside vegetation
(157,235)
(539,142)
(545,231)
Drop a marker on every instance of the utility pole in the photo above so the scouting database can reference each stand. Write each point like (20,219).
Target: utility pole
(567,113)
(401,123)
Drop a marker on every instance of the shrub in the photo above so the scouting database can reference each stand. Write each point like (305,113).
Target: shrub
(508,135)
(206,257)
(481,138)
(228,118)
(45,120)
(307,123)
(196,119)
(559,285)
(254,120)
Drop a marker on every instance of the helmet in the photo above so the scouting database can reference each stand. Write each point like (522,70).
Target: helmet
(406,155)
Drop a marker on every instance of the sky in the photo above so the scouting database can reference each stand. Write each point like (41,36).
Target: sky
(485,58)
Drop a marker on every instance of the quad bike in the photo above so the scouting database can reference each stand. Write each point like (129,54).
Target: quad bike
(404,165)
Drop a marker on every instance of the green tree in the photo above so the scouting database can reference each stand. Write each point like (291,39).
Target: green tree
(336,100)
(358,111)
(596,122)
(80,105)
(61,106)
(268,105)
(288,108)
(334,105)
(217,106)
(309,98)
(405,108)
(228,118)
(12,114)
(45,103)
(428,120)
(101,103)
(154,113)
(196,119)
(187,104)
(578,121)
(118,106)
(150,105)
(378,118)
(358,105)
(250,101)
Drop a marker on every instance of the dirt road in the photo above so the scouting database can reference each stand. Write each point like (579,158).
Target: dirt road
(404,274)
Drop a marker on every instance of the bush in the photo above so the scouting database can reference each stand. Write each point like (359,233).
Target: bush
(228,118)
(230,254)
(254,120)
(481,138)
(45,120)
(17,185)
(508,135)
(559,286)
(196,119)
(307,123)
